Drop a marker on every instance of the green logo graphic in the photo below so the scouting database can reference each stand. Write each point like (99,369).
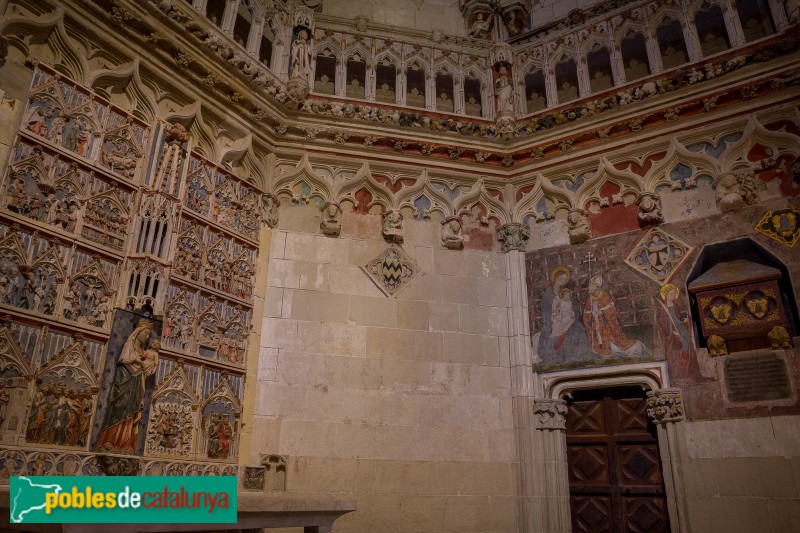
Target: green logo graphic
(123,499)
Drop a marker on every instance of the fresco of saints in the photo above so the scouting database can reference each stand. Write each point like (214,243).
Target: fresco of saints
(602,326)
(562,337)
(673,321)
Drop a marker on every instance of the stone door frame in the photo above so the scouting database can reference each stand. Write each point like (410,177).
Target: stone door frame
(551,478)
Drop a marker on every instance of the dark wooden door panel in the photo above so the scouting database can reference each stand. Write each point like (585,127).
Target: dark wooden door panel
(644,515)
(630,416)
(639,465)
(592,514)
(588,465)
(586,418)
(615,478)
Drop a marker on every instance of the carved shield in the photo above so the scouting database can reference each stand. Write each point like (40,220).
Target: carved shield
(721,313)
(758,307)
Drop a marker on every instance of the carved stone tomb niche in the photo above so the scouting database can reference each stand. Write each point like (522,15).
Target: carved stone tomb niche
(740,303)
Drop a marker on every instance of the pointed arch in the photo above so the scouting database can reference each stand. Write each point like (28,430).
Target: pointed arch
(781,143)
(677,154)
(495,209)
(628,182)
(304,178)
(27,32)
(424,199)
(379,194)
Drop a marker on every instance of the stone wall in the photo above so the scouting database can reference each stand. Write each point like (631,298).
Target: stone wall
(399,403)
(742,475)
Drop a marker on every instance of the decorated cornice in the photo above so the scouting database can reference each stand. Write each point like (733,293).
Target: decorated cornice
(399,131)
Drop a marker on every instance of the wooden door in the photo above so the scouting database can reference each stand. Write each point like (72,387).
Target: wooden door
(615,478)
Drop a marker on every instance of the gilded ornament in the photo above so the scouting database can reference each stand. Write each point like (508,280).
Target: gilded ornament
(781,225)
(721,312)
(716,346)
(779,338)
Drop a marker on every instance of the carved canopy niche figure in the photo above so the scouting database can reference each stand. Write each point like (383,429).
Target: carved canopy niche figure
(125,404)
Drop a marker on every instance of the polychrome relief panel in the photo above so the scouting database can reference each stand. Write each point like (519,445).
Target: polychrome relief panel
(658,255)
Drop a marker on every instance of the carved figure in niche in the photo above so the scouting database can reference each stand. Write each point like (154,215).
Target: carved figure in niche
(331,223)
(57,125)
(393,226)
(602,326)
(503,92)
(36,121)
(220,432)
(125,403)
(78,135)
(649,213)
(451,233)
(99,313)
(578,226)
(481,25)
(197,197)
(59,414)
(673,321)
(301,55)
(119,157)
(514,22)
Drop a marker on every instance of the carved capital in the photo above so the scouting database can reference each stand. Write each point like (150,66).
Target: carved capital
(665,405)
(514,236)
(549,414)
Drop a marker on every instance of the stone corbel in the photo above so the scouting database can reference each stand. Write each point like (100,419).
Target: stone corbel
(513,236)
(549,414)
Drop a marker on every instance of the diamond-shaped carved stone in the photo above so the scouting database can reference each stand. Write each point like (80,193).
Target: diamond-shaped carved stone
(392,270)
(658,255)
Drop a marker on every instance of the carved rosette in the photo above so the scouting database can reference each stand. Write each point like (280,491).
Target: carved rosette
(549,414)
(513,236)
(665,405)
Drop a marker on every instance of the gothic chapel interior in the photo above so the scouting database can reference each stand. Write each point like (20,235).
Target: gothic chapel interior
(417,266)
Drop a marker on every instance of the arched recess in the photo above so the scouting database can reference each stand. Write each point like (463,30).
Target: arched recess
(712,31)
(45,38)
(356,67)
(475,93)
(326,60)
(633,52)
(386,73)
(482,206)
(416,82)
(424,200)
(173,417)
(364,192)
(445,86)
(302,185)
